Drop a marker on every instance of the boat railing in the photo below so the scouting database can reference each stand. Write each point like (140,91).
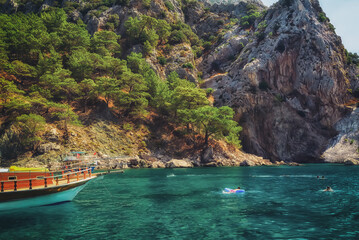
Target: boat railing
(54,178)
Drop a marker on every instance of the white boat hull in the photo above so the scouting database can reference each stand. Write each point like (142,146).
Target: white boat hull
(53,198)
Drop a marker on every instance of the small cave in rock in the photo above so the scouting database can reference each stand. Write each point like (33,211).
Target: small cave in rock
(280,46)
(216,66)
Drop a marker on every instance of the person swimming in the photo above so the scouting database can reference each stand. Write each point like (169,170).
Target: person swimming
(328,189)
(237,190)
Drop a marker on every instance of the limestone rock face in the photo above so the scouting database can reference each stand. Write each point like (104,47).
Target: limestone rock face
(235,8)
(351,162)
(286,79)
(157,164)
(207,155)
(46,147)
(52,135)
(134,9)
(181,54)
(343,148)
(179,163)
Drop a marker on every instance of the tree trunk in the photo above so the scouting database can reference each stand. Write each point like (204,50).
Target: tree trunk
(85,105)
(206,139)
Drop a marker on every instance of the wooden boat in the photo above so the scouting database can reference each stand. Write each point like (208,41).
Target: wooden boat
(29,187)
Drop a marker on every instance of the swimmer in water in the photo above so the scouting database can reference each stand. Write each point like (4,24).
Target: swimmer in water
(235,190)
(328,189)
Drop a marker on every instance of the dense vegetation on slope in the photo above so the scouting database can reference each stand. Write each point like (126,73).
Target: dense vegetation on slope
(52,69)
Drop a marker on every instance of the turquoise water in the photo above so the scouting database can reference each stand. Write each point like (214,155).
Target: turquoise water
(279,203)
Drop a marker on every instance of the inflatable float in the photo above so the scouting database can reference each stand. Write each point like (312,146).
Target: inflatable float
(229,190)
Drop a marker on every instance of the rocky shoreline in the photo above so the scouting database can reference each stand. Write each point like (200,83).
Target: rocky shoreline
(208,159)
(138,162)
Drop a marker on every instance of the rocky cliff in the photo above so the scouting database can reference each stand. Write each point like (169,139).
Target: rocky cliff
(283,69)
(287,79)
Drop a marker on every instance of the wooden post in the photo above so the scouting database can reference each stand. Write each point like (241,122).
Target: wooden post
(30,184)
(57,181)
(2,186)
(68,178)
(45,182)
(15,185)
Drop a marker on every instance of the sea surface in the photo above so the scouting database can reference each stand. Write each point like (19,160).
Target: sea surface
(279,203)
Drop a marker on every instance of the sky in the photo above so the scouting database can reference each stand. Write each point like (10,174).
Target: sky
(343,15)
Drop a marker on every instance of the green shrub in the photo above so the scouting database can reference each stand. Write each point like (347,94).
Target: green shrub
(110,26)
(234,20)
(331,27)
(211,38)
(322,17)
(163,14)
(142,144)
(123,2)
(352,58)
(197,51)
(146,3)
(177,36)
(220,22)
(147,48)
(127,127)
(187,65)
(162,60)
(248,20)
(169,5)
(207,45)
(168,48)
(262,25)
(209,91)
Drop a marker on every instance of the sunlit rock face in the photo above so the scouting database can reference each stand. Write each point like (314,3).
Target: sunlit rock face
(286,78)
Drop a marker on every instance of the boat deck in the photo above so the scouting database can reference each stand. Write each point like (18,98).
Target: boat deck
(51,180)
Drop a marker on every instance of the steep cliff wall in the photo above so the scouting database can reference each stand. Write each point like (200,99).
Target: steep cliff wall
(283,69)
(286,77)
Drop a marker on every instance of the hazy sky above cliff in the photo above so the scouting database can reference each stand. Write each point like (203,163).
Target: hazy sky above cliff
(344,17)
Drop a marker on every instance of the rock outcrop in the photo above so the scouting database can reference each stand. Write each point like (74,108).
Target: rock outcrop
(344,148)
(179,163)
(286,78)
